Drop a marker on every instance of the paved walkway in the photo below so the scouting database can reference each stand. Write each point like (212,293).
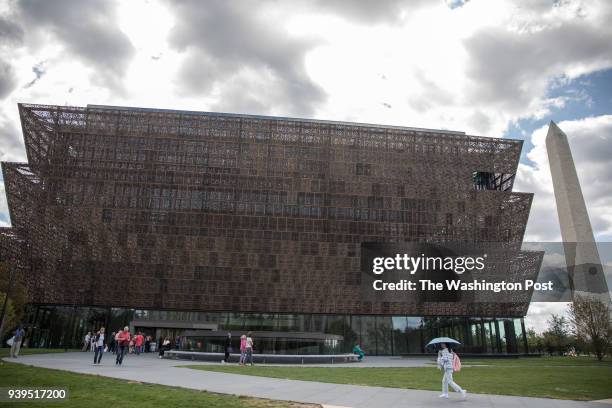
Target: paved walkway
(148,368)
(374,361)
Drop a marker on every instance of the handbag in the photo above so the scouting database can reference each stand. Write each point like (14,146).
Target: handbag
(11,341)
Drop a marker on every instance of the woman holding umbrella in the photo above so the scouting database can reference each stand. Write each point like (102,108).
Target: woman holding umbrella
(446,362)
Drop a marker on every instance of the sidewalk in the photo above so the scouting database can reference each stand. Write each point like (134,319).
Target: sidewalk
(148,368)
(371,361)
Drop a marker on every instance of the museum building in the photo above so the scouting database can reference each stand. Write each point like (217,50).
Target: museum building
(192,224)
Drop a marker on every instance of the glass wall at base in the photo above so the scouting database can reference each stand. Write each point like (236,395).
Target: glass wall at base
(66,326)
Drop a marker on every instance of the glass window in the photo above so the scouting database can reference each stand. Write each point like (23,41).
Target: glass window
(384,334)
(415,335)
(368,334)
(476,335)
(501,336)
(510,335)
(400,325)
(520,339)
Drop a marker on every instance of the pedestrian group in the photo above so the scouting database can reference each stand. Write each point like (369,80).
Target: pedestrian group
(119,343)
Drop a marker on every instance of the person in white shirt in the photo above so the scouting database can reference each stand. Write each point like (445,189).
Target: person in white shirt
(445,363)
(164,346)
(249,348)
(86,341)
(99,346)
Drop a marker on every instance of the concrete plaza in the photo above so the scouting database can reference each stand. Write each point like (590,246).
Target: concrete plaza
(149,369)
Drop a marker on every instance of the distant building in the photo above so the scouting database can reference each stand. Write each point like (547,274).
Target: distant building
(194,223)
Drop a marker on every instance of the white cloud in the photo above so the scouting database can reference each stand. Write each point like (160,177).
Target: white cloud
(539,313)
(86,31)
(4,218)
(476,68)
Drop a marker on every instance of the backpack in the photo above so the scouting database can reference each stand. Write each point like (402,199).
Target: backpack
(456,362)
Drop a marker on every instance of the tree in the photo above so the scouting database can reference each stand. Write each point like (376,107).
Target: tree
(590,319)
(535,342)
(16,304)
(556,337)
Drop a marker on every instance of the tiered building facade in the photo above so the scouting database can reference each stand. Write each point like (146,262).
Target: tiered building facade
(193,224)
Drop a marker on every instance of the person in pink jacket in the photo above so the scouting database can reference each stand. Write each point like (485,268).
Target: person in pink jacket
(448,362)
(243,346)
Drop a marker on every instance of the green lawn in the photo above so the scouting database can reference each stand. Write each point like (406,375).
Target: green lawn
(4,352)
(586,380)
(94,391)
(540,361)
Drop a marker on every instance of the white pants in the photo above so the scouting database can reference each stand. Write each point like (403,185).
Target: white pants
(15,348)
(448,380)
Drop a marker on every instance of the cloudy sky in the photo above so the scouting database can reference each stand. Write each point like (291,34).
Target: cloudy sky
(491,68)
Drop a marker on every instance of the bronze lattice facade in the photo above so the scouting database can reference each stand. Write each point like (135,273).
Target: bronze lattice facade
(175,210)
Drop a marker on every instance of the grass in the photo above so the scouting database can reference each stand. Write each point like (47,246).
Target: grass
(555,361)
(95,391)
(4,352)
(583,379)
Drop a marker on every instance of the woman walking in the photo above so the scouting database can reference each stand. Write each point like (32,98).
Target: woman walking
(446,362)
(138,342)
(86,341)
(228,347)
(249,348)
(99,344)
(243,343)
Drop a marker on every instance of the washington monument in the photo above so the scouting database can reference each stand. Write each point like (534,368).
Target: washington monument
(586,274)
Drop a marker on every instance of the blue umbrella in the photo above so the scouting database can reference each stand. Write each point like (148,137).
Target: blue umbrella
(439,340)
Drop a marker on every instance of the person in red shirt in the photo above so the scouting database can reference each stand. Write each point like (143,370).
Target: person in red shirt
(138,343)
(123,341)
